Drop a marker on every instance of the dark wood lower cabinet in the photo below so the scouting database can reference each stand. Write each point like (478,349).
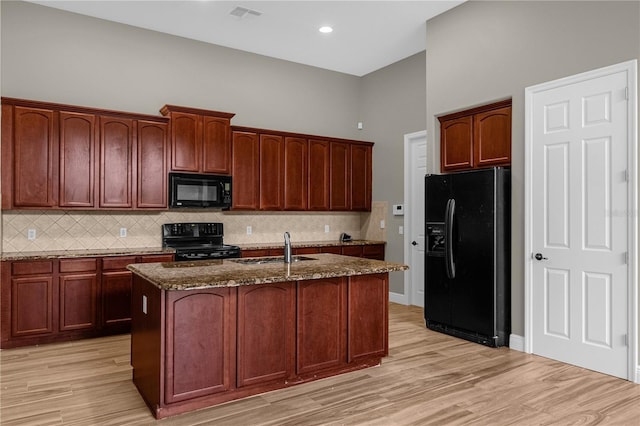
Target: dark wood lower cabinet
(191,349)
(266,333)
(45,301)
(198,343)
(322,324)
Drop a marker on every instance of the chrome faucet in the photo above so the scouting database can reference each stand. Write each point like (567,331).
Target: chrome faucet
(287,248)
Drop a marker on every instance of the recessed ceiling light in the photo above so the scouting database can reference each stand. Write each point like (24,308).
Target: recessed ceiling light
(325,29)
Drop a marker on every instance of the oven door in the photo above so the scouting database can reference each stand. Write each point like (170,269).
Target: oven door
(199,191)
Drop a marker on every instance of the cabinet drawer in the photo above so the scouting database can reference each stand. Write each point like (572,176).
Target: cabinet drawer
(32,267)
(306,250)
(117,263)
(331,249)
(152,258)
(373,251)
(78,265)
(352,251)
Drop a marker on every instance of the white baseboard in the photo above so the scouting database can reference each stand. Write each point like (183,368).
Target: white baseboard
(402,299)
(637,378)
(516,342)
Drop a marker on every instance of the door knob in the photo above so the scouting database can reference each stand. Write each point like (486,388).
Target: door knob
(539,256)
(413,243)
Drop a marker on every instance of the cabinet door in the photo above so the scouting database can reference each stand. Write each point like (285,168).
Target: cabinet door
(78,301)
(246,179)
(200,346)
(35,157)
(32,306)
(319,161)
(116,162)
(340,187)
(456,144)
(186,142)
(77,159)
(492,137)
(295,173)
(116,300)
(368,316)
(266,333)
(216,145)
(361,177)
(271,172)
(322,316)
(151,165)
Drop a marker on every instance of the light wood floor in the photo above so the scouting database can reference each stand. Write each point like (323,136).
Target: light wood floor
(428,379)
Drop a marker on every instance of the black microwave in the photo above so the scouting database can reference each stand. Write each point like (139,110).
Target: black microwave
(199,191)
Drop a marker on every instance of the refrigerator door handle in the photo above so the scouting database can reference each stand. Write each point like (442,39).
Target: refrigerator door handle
(448,239)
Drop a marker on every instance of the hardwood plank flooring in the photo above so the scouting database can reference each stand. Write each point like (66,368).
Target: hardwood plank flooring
(427,379)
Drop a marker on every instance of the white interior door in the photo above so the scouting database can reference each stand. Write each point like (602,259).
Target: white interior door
(579,206)
(416,148)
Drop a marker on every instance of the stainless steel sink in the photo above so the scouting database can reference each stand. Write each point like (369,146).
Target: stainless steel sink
(266,260)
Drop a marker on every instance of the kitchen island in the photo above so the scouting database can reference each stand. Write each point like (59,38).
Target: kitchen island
(208,332)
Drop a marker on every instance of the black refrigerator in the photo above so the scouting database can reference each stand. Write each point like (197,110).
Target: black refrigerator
(468,255)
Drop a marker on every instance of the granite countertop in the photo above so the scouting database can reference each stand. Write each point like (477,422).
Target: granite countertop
(55,254)
(258,246)
(233,273)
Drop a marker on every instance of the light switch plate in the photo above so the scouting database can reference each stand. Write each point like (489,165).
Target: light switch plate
(249,230)
(123,232)
(327,229)
(31,234)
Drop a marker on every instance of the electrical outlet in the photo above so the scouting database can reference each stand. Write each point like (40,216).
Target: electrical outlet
(123,232)
(401,230)
(31,234)
(327,229)
(249,230)
(382,224)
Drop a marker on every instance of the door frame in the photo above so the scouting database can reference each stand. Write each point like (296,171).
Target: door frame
(630,67)
(409,138)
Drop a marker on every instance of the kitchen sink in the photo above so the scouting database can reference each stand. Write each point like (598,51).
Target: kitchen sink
(266,260)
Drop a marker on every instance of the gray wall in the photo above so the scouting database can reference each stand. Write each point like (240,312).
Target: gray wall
(392,105)
(57,56)
(479,52)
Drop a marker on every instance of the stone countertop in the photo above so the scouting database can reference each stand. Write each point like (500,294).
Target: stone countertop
(58,254)
(259,246)
(233,273)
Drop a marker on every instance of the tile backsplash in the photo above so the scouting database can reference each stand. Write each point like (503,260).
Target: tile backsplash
(77,230)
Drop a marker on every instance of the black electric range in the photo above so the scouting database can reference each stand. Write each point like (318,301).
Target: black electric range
(197,241)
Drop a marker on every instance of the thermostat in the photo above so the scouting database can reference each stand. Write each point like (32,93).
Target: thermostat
(398,209)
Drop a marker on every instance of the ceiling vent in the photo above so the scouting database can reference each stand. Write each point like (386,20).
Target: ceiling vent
(242,12)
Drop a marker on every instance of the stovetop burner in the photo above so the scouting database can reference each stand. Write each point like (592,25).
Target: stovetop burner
(193,241)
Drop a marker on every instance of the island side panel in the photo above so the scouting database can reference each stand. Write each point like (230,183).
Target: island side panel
(368,316)
(147,350)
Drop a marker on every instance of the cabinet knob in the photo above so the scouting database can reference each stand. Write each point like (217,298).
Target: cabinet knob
(413,243)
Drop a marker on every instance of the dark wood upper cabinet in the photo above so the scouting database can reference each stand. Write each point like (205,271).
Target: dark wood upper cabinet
(492,137)
(200,140)
(152,165)
(319,178)
(295,173)
(216,145)
(476,138)
(340,183)
(69,157)
(186,142)
(30,138)
(78,135)
(456,143)
(245,171)
(116,162)
(361,177)
(271,172)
